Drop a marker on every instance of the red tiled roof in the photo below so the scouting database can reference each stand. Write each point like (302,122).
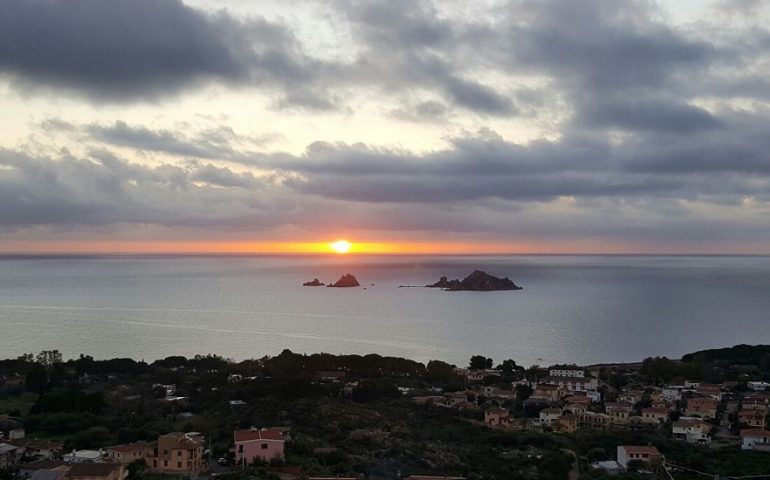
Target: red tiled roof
(755,432)
(641,449)
(129,447)
(263,434)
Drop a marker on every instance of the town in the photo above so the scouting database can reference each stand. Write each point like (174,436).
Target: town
(295,416)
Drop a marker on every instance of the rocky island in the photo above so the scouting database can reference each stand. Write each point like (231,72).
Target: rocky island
(314,283)
(346,280)
(477,281)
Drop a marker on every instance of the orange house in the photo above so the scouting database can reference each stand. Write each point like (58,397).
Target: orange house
(703,407)
(177,452)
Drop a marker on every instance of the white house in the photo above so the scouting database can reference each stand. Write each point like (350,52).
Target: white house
(758,386)
(755,439)
(692,431)
(672,393)
(549,415)
(571,384)
(646,454)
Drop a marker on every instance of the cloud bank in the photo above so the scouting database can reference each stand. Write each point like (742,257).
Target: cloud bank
(657,131)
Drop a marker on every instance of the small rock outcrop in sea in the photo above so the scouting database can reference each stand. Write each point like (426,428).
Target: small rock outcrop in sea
(346,280)
(314,283)
(477,281)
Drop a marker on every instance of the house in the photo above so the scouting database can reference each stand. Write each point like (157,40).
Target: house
(96,471)
(176,453)
(567,372)
(130,452)
(691,431)
(646,454)
(751,402)
(571,384)
(755,439)
(672,393)
(8,456)
(703,407)
(758,386)
(84,456)
(479,375)
(263,444)
(631,396)
(618,412)
(668,405)
(497,416)
(656,415)
(38,448)
(494,392)
(710,390)
(565,424)
(593,420)
(575,407)
(549,415)
(547,392)
(10,428)
(752,418)
(611,467)
(454,398)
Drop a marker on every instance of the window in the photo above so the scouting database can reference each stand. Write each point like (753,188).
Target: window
(264,446)
(240,448)
(165,463)
(178,464)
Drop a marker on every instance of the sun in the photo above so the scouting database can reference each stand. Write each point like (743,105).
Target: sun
(341,246)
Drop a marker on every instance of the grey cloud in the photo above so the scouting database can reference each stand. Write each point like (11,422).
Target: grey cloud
(602,45)
(104,190)
(224,177)
(119,50)
(214,143)
(642,114)
(141,138)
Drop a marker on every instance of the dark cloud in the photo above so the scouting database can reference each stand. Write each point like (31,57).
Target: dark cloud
(640,114)
(119,50)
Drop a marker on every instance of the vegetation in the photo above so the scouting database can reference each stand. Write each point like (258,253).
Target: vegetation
(348,414)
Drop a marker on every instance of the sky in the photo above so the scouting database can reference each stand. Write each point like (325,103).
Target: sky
(485,126)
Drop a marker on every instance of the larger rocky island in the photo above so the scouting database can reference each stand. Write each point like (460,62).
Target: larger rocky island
(477,281)
(346,281)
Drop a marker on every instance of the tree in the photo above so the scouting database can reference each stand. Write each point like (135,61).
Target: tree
(26,358)
(438,371)
(509,366)
(480,362)
(37,379)
(49,358)
(136,469)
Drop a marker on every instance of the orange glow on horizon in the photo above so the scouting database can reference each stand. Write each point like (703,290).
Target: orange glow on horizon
(371,248)
(196,247)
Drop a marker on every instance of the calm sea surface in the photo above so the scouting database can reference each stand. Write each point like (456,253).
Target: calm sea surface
(582,309)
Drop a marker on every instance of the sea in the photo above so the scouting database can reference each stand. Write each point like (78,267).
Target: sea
(579,309)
